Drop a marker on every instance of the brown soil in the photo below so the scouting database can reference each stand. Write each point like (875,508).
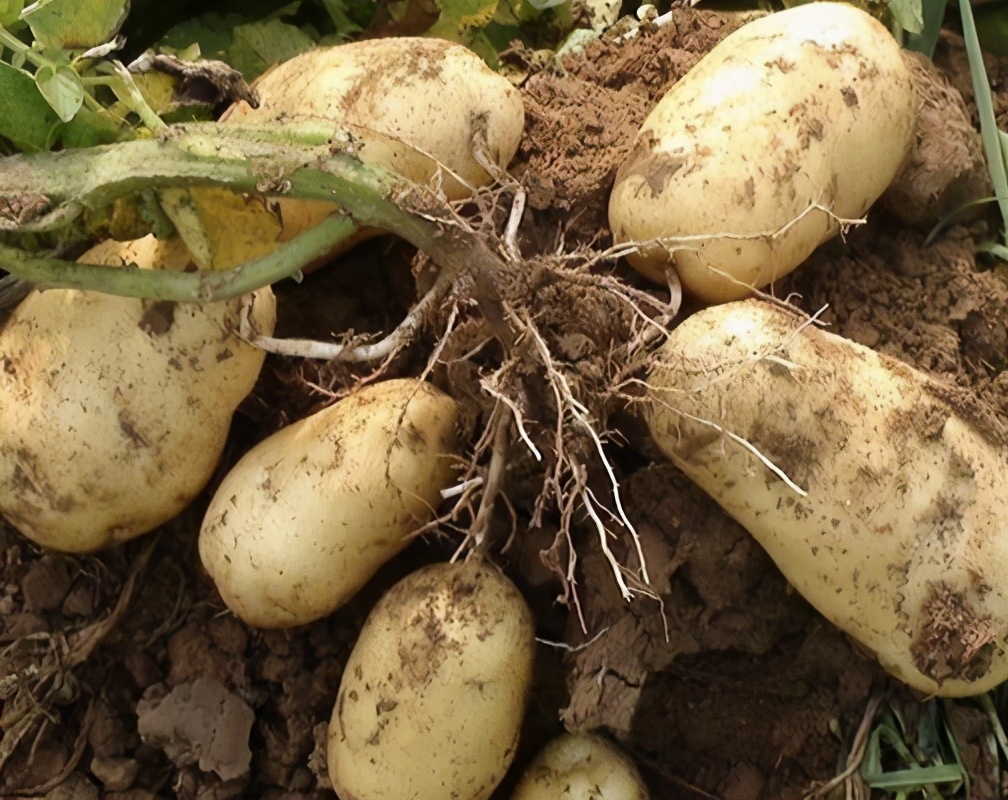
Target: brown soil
(122,675)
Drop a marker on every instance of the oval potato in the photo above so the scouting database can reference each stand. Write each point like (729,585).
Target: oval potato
(581,766)
(115,410)
(308,515)
(415,106)
(807,109)
(433,694)
(899,540)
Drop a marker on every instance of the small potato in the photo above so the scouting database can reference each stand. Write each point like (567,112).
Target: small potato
(581,766)
(899,540)
(418,107)
(308,515)
(433,694)
(115,410)
(790,122)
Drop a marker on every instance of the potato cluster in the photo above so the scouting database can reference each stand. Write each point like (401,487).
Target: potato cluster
(878,497)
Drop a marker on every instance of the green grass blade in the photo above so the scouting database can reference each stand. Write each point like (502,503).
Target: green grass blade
(985,107)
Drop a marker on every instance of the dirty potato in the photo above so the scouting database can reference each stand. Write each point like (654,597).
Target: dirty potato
(880,494)
(426,109)
(792,123)
(115,410)
(433,694)
(308,515)
(581,766)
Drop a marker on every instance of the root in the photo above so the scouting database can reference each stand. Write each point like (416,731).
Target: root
(31,690)
(346,351)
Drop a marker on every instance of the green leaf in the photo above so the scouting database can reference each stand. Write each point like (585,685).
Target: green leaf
(258,45)
(25,117)
(75,24)
(924,41)
(460,20)
(91,128)
(349,16)
(10,10)
(211,31)
(61,87)
(908,14)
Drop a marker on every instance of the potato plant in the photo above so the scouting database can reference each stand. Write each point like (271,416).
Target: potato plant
(498,414)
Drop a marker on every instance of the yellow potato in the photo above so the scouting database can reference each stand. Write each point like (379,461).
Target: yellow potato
(417,107)
(807,109)
(115,410)
(899,540)
(307,516)
(433,694)
(581,766)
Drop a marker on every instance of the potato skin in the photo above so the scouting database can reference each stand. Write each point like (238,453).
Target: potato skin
(809,105)
(308,515)
(581,766)
(433,694)
(115,410)
(899,541)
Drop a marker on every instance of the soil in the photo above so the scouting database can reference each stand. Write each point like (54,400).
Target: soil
(123,676)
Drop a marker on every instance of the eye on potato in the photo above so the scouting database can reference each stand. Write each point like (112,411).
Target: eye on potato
(581,766)
(899,540)
(433,694)
(308,515)
(812,106)
(115,410)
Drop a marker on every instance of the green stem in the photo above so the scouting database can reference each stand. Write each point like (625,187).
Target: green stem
(15,45)
(306,162)
(52,273)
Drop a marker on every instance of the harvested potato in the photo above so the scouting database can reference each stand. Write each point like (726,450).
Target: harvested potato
(899,539)
(115,410)
(791,122)
(307,516)
(433,694)
(418,107)
(581,766)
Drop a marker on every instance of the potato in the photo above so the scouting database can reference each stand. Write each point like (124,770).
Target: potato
(812,105)
(899,540)
(115,410)
(307,516)
(411,105)
(581,766)
(433,694)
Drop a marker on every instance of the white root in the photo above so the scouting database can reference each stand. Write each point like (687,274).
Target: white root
(360,353)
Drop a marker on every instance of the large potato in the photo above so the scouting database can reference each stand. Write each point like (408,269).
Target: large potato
(581,766)
(417,107)
(900,540)
(307,516)
(812,105)
(115,410)
(433,694)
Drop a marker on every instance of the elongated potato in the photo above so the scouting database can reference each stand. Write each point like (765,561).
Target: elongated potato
(803,110)
(581,766)
(900,538)
(114,410)
(307,516)
(418,107)
(433,694)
